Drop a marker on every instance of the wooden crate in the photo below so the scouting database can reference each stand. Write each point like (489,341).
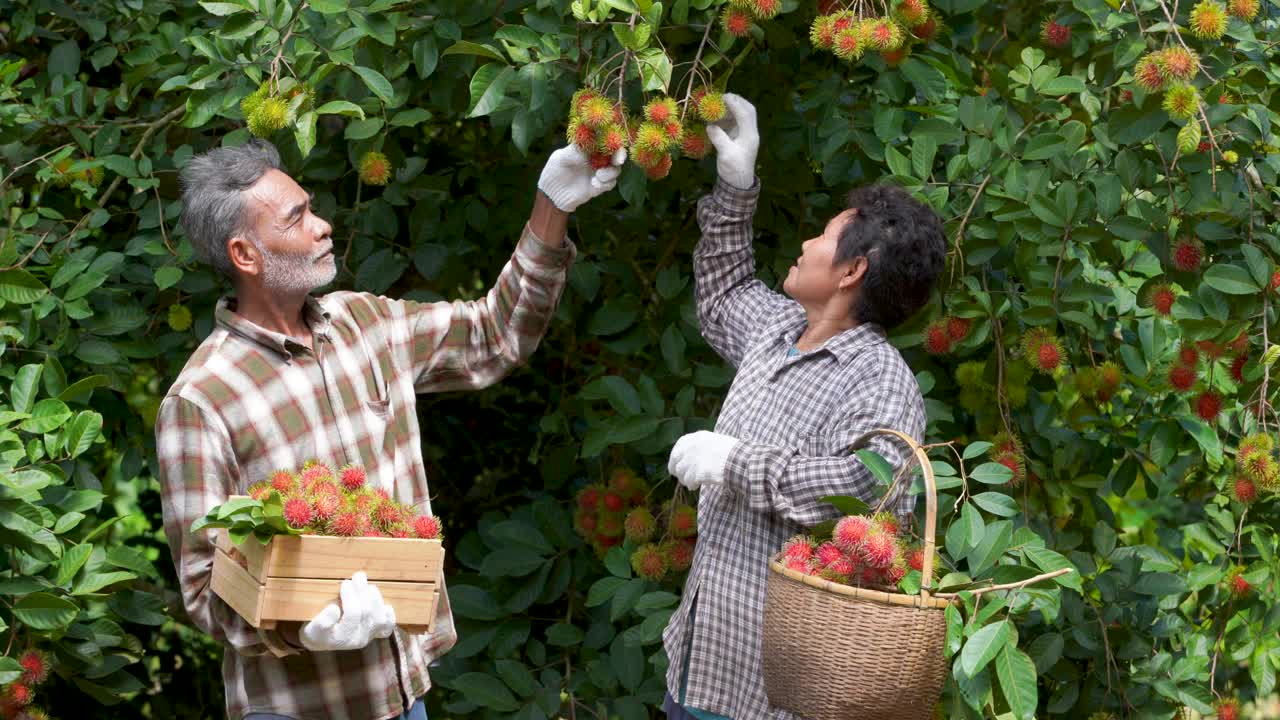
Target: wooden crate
(294,577)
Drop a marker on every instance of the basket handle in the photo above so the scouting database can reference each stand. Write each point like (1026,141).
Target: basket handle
(931,496)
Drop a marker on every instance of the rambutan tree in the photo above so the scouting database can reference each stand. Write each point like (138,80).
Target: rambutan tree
(1100,345)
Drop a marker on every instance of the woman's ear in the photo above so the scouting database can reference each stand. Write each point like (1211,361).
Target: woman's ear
(853,273)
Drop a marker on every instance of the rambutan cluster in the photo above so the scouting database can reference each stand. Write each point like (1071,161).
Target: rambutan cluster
(265,111)
(318,501)
(1099,383)
(1256,468)
(850,35)
(941,335)
(1042,350)
(607,514)
(740,16)
(598,126)
(863,551)
(1006,449)
(16,698)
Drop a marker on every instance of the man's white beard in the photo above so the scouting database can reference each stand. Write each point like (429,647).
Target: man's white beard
(296,274)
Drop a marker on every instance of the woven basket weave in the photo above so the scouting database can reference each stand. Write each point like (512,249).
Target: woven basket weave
(834,652)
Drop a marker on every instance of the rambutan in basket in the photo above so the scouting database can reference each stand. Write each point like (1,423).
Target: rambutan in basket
(835,652)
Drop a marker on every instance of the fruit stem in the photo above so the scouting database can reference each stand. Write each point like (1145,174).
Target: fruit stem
(1010,586)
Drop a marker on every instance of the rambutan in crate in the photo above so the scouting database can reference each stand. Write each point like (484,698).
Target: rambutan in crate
(293,577)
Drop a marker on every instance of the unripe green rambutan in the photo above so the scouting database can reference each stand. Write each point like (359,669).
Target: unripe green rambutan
(974,399)
(250,103)
(1246,10)
(711,107)
(849,44)
(650,562)
(822,32)
(971,374)
(1016,395)
(179,318)
(270,115)
(912,12)
(883,34)
(1189,137)
(1256,441)
(1208,20)
(1181,101)
(375,168)
(1150,74)
(651,137)
(640,525)
(1178,62)
(1004,442)
(1230,157)
(596,113)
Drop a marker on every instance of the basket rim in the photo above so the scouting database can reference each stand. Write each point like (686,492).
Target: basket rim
(927,602)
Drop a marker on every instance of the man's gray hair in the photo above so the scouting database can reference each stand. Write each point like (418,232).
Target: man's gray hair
(213,207)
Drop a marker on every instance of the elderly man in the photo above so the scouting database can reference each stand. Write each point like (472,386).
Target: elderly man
(286,376)
(814,374)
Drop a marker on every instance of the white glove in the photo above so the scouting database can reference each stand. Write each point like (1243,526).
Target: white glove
(363,617)
(699,458)
(569,180)
(737,141)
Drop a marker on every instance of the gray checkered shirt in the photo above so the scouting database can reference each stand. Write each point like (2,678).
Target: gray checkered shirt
(795,417)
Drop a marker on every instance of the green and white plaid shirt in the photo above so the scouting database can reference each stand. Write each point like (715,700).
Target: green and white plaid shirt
(250,401)
(795,415)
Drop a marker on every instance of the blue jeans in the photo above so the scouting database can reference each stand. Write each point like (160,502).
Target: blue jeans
(417,712)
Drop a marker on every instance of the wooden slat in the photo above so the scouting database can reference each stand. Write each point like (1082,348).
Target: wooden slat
(255,554)
(338,558)
(237,588)
(302,599)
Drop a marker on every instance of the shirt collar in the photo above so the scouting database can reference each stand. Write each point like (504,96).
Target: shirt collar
(844,345)
(314,311)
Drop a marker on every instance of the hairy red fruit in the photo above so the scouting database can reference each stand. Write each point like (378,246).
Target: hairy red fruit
(18,694)
(297,512)
(1162,299)
(679,554)
(427,527)
(613,501)
(640,525)
(1182,378)
(1188,355)
(283,481)
(353,478)
(684,521)
(589,497)
(1237,368)
(798,548)
(878,550)
(850,531)
(736,22)
(1229,709)
(650,562)
(958,328)
(1188,254)
(1055,34)
(1244,490)
(1239,586)
(347,524)
(937,338)
(915,559)
(1208,405)
(828,553)
(35,666)
(326,505)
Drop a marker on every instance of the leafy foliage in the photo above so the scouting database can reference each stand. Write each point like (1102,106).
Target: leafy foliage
(1147,269)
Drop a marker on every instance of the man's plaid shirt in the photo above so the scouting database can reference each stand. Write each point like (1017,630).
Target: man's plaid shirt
(795,417)
(250,401)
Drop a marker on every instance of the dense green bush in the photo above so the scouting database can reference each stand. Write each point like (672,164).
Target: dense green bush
(1068,205)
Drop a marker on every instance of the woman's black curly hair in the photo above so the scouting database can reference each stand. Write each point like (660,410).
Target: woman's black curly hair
(905,248)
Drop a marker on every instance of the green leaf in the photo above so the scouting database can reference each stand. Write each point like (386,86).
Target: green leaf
(376,83)
(1017,675)
(363,129)
(42,611)
(997,504)
(168,276)
(847,504)
(473,603)
(47,415)
(465,47)
(1063,85)
(340,107)
(25,386)
(602,590)
(488,88)
(1231,279)
(485,691)
(222,9)
(1049,561)
(620,393)
(10,670)
(565,634)
(83,432)
(983,646)
(71,562)
(655,69)
(93,582)
(304,132)
(146,608)
(991,474)
(879,467)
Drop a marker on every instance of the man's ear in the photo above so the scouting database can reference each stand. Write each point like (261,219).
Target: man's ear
(245,256)
(853,273)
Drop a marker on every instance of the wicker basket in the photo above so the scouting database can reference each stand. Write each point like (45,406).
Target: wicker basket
(834,652)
